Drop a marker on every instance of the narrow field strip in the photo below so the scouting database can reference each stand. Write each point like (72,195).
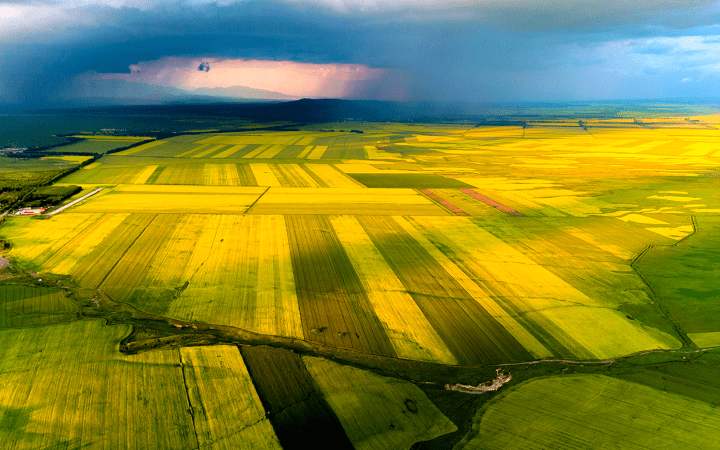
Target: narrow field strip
(292,175)
(131,268)
(296,407)
(140,148)
(467,329)
(256,152)
(227,411)
(303,154)
(334,307)
(92,270)
(143,176)
(208,151)
(231,151)
(192,150)
(410,332)
(317,152)
(271,151)
(74,202)
(332,177)
(453,209)
(77,249)
(493,203)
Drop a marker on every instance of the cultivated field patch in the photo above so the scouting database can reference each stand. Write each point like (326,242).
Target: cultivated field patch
(596,411)
(375,411)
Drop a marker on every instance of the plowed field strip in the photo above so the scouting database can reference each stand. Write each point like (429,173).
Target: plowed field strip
(126,275)
(446,204)
(472,334)
(493,203)
(93,269)
(328,288)
(297,409)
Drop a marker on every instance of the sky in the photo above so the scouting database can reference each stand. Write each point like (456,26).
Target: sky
(437,50)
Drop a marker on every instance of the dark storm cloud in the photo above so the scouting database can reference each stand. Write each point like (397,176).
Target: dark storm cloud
(449,50)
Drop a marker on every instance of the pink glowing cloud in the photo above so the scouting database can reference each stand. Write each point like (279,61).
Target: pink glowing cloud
(285,77)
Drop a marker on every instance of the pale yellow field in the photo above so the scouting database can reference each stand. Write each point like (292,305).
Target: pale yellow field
(172,199)
(73,252)
(332,177)
(238,271)
(367,404)
(280,200)
(36,240)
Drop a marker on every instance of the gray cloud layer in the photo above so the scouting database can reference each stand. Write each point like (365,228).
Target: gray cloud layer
(479,51)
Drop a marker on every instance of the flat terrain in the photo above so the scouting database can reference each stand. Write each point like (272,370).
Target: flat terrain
(264,287)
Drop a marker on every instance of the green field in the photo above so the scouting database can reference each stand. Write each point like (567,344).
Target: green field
(593,411)
(268,289)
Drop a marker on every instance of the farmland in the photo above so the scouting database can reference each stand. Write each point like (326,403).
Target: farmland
(262,288)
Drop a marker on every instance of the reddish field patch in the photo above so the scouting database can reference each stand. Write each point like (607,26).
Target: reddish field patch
(445,203)
(490,202)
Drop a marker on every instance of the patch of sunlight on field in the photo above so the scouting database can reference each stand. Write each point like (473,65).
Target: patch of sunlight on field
(376,153)
(592,411)
(140,148)
(172,199)
(704,340)
(676,233)
(639,218)
(68,158)
(377,412)
(411,335)
(34,241)
(331,177)
(143,176)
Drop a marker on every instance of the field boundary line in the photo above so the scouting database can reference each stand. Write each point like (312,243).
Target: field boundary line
(658,301)
(63,208)
(127,249)
(191,410)
(256,200)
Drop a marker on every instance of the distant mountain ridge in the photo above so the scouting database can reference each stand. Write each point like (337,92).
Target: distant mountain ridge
(242,92)
(126,93)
